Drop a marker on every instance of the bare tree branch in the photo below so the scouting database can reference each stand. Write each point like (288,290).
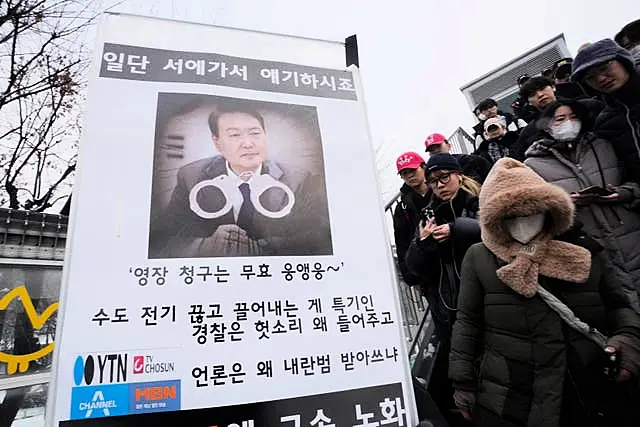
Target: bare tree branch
(43,64)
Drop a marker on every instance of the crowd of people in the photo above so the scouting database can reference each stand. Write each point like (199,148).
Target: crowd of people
(528,252)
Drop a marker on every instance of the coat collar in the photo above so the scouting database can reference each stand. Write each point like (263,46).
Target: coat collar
(218,166)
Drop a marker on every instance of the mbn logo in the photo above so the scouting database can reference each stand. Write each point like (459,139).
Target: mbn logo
(111,368)
(151,394)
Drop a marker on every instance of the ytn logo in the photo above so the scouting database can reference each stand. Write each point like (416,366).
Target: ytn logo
(111,368)
(147,365)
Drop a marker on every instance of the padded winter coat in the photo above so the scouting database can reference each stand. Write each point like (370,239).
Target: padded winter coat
(527,367)
(616,226)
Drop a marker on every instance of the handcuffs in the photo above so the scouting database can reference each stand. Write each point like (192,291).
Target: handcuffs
(229,188)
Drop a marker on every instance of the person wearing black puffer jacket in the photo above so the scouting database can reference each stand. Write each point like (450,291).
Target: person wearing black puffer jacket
(488,109)
(436,254)
(499,141)
(414,197)
(609,69)
(436,251)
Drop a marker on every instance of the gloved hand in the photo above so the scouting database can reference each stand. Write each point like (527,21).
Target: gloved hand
(628,349)
(465,400)
(229,240)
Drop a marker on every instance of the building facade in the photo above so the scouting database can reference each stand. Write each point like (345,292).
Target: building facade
(32,249)
(501,83)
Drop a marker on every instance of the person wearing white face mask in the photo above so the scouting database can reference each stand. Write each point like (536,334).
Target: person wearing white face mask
(515,361)
(607,202)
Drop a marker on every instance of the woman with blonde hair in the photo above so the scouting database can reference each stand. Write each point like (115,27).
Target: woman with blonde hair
(449,226)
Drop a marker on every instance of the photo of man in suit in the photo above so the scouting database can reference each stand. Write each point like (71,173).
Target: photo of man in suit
(239,202)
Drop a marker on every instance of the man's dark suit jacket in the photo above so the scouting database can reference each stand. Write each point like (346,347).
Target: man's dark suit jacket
(176,231)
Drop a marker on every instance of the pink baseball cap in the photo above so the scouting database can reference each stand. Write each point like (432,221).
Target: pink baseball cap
(434,139)
(409,160)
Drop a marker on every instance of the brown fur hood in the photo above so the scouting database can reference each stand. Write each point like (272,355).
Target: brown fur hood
(514,190)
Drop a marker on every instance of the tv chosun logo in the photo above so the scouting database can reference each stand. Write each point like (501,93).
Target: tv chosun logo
(100,369)
(149,365)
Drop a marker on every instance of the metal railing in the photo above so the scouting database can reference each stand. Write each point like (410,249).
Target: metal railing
(415,309)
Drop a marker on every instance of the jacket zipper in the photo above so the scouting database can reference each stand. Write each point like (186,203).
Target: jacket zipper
(453,259)
(627,117)
(453,249)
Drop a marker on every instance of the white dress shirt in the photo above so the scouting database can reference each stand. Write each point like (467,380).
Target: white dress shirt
(237,199)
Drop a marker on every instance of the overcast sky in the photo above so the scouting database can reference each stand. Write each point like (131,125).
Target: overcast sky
(415,55)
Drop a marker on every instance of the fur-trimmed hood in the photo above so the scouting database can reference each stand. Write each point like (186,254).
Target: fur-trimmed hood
(513,190)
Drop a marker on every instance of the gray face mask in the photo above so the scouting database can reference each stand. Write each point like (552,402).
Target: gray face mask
(523,229)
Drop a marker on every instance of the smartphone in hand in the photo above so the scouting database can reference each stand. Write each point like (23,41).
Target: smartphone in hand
(595,191)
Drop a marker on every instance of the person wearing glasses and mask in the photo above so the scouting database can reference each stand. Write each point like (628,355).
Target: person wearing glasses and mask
(609,69)
(587,167)
(449,226)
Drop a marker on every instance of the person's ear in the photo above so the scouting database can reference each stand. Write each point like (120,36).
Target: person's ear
(216,142)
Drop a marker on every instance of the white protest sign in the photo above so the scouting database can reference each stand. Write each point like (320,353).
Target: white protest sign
(228,263)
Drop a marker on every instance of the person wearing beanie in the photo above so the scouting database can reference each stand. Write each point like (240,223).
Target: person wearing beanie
(609,69)
(514,361)
(472,166)
(449,226)
(572,157)
(414,196)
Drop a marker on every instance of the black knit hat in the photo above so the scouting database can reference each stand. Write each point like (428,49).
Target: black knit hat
(599,53)
(443,161)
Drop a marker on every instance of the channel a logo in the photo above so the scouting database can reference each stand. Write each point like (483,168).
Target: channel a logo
(100,369)
(149,365)
(99,401)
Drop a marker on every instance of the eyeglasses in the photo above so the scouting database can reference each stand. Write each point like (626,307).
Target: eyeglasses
(442,179)
(593,73)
